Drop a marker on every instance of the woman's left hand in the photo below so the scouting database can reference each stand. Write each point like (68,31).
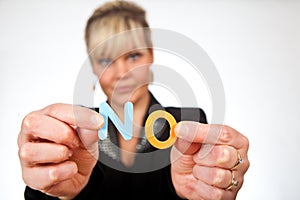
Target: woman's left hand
(208,161)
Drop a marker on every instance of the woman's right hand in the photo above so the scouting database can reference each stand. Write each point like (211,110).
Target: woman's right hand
(58,148)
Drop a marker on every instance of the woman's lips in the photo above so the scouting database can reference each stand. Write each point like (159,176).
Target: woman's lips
(123,89)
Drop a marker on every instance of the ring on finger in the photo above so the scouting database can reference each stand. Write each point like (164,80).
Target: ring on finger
(238,161)
(233,182)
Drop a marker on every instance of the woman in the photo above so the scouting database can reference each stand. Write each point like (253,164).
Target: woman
(59,146)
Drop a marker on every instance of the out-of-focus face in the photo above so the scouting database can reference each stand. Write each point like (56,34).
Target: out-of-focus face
(125,78)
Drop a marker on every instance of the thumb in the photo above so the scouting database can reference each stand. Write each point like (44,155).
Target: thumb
(198,132)
(183,130)
(194,136)
(88,122)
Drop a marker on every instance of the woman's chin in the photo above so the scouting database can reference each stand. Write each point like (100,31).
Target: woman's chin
(120,99)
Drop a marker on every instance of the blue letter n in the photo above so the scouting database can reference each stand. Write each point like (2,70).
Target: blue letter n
(125,129)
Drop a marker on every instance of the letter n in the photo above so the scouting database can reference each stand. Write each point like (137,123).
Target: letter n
(125,129)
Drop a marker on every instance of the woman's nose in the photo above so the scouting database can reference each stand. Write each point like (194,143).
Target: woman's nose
(122,68)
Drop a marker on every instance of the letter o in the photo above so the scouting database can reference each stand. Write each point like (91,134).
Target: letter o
(149,129)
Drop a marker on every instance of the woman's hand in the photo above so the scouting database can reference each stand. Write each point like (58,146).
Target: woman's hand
(208,161)
(58,149)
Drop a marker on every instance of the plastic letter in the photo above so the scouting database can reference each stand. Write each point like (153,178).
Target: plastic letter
(125,129)
(149,129)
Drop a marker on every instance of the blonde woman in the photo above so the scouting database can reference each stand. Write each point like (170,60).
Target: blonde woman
(61,154)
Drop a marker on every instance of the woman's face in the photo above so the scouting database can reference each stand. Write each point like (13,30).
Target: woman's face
(125,78)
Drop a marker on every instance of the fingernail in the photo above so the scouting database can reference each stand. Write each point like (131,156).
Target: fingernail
(53,175)
(98,120)
(181,130)
(75,143)
(70,153)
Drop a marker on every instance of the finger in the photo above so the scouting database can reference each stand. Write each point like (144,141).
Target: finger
(198,189)
(86,120)
(41,153)
(186,147)
(75,115)
(210,134)
(201,190)
(213,176)
(88,137)
(218,156)
(54,123)
(39,127)
(43,177)
(89,140)
(183,163)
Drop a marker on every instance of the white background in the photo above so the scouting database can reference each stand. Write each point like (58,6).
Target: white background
(255,46)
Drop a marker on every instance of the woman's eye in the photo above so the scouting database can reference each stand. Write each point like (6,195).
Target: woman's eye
(134,56)
(104,61)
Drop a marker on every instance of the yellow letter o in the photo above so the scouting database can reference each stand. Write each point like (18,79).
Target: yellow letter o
(149,129)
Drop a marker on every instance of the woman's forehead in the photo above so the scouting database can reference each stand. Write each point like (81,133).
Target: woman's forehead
(119,44)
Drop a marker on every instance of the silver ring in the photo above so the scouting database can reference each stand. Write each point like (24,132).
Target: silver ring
(238,161)
(233,182)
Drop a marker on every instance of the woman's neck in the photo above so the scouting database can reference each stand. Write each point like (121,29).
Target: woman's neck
(140,107)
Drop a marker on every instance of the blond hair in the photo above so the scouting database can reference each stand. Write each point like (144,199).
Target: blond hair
(117,27)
